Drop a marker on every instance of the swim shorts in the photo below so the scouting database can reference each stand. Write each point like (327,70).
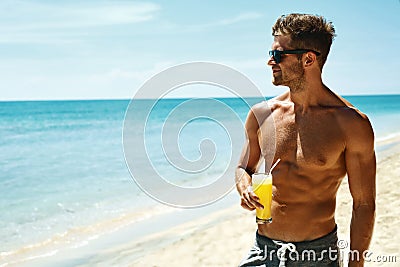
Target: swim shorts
(319,252)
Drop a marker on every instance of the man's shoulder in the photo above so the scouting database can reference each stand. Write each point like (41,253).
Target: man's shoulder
(350,114)
(261,111)
(263,107)
(271,104)
(355,125)
(345,111)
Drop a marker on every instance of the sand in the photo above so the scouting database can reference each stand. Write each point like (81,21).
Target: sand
(223,238)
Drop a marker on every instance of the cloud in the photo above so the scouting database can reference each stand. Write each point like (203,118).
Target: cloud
(240,18)
(30,22)
(28,15)
(247,16)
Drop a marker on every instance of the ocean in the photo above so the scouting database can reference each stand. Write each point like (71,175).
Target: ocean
(64,180)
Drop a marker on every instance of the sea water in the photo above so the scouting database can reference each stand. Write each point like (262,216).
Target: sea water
(63,177)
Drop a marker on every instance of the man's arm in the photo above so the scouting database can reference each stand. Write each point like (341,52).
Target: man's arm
(250,158)
(361,172)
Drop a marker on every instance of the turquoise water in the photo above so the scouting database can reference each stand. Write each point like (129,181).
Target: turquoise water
(63,168)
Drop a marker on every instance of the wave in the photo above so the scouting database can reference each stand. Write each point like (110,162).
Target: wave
(76,237)
(390,138)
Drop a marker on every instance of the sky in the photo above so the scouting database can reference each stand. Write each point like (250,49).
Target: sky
(108,49)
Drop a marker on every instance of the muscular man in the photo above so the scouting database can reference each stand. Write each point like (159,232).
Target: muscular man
(319,138)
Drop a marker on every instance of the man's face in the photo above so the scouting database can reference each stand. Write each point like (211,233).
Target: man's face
(289,72)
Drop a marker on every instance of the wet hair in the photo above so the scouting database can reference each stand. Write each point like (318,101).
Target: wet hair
(307,32)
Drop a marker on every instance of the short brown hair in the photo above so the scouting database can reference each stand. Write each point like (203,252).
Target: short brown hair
(307,32)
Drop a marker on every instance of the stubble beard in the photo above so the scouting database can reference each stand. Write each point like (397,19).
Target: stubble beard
(293,78)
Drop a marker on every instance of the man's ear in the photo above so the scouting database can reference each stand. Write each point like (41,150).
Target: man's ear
(310,59)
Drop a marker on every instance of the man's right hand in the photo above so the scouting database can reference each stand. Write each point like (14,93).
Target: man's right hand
(249,200)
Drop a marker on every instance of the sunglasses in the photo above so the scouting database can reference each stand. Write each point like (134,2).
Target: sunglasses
(277,54)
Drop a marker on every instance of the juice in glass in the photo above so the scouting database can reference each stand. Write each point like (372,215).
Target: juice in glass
(262,187)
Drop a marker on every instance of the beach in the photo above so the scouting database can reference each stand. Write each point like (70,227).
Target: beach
(224,237)
(68,203)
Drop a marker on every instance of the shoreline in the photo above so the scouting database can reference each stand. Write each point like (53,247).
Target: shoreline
(219,229)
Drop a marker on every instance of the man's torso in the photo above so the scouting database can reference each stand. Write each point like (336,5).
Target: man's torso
(311,148)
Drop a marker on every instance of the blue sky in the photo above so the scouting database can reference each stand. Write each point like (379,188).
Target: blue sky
(108,49)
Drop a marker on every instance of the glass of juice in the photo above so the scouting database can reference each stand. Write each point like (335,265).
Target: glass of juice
(262,187)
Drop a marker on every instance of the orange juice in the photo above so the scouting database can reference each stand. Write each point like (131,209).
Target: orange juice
(262,186)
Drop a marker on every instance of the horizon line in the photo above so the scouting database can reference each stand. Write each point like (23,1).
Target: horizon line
(167,98)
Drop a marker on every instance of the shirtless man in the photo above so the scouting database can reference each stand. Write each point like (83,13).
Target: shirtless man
(319,138)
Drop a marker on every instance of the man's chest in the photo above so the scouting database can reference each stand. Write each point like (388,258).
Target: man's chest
(314,141)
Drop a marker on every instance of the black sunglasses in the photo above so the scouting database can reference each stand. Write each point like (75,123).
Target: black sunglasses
(277,54)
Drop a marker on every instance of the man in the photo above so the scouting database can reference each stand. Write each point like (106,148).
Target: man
(319,138)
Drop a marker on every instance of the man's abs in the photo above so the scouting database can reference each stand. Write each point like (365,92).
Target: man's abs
(292,223)
(303,207)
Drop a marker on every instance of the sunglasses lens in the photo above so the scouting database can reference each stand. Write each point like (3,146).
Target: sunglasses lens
(276,55)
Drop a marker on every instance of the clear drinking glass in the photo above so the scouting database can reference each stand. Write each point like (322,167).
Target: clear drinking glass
(262,187)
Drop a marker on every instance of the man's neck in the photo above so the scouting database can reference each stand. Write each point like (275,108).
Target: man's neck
(308,95)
